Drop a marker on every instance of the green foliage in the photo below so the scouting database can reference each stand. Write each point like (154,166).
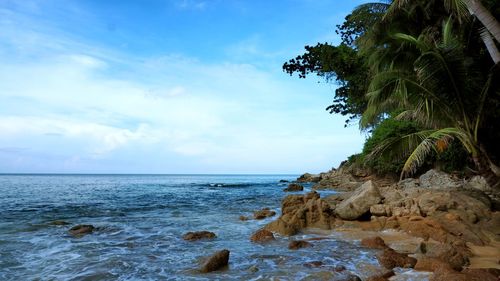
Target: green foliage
(391,162)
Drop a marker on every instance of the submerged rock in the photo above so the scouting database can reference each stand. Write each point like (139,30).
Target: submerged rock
(243,218)
(262,235)
(198,235)
(294,187)
(298,244)
(81,230)
(264,213)
(360,202)
(59,222)
(217,261)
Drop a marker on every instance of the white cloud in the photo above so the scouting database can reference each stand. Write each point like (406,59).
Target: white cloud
(76,107)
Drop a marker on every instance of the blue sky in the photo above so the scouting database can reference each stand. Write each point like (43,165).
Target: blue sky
(171,86)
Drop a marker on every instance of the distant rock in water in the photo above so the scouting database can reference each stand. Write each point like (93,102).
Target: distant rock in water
(283,181)
(308,178)
(59,222)
(264,213)
(243,218)
(294,187)
(217,261)
(198,235)
(81,230)
(262,235)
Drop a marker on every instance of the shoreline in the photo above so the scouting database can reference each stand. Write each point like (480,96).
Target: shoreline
(448,226)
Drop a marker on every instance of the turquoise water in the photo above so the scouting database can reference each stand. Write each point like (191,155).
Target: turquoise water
(140,221)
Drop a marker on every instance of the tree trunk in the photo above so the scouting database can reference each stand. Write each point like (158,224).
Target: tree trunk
(485,17)
(490,46)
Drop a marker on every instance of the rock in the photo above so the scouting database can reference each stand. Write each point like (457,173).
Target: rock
(313,264)
(243,218)
(253,269)
(339,268)
(298,244)
(382,277)
(438,180)
(81,230)
(320,276)
(198,235)
(294,187)
(430,264)
(283,181)
(380,210)
(455,256)
(308,178)
(391,259)
(302,211)
(262,235)
(59,222)
(348,277)
(373,243)
(360,202)
(482,274)
(264,213)
(339,179)
(217,261)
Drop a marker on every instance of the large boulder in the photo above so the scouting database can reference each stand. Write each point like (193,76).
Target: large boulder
(217,261)
(360,202)
(302,211)
(438,180)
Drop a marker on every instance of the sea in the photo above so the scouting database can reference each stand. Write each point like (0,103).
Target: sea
(140,220)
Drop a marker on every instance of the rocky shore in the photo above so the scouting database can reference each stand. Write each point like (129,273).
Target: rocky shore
(456,222)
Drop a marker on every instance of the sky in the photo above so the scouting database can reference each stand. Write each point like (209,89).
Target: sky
(167,86)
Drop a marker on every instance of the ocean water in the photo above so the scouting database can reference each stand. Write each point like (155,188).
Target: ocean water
(140,221)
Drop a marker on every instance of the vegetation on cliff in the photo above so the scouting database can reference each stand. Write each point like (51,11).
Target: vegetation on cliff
(422,78)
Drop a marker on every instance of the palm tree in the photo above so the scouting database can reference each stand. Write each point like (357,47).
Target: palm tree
(438,88)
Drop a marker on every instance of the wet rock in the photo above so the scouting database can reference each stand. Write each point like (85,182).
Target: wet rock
(373,243)
(382,277)
(59,222)
(262,235)
(391,259)
(243,218)
(198,235)
(298,244)
(283,181)
(81,230)
(320,276)
(339,268)
(313,264)
(360,202)
(347,277)
(217,261)
(302,211)
(308,178)
(264,213)
(294,187)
